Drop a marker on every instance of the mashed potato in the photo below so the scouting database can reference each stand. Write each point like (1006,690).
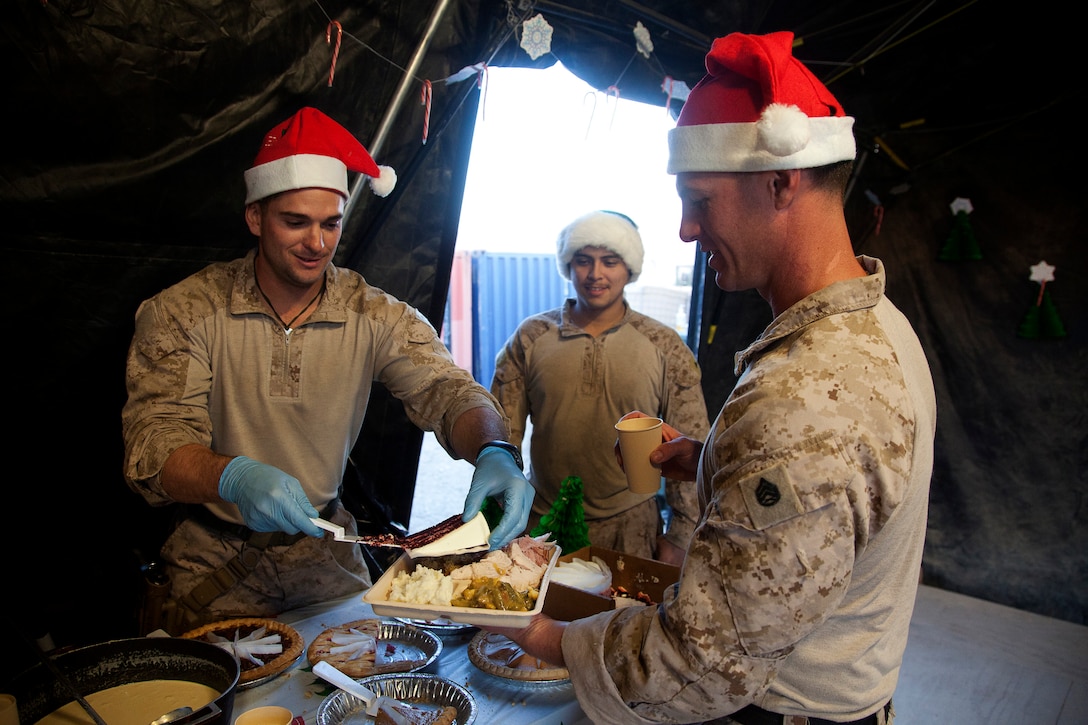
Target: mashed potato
(422,586)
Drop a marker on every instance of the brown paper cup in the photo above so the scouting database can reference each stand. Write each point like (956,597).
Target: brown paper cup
(9,711)
(638,438)
(269,715)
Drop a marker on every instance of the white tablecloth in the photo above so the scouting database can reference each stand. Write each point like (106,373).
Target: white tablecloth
(497,700)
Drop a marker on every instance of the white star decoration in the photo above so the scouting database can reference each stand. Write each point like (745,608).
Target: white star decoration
(536,36)
(1042,272)
(642,40)
(960,204)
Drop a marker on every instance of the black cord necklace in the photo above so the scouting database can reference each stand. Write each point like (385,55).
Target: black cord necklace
(287,326)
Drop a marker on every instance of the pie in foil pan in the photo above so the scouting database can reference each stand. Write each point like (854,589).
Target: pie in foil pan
(424,691)
(497,655)
(397,647)
(257,665)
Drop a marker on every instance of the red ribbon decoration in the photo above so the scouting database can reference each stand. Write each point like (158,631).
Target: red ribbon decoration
(336,50)
(878,212)
(425,100)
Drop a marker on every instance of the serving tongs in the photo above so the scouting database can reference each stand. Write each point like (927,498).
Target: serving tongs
(446,537)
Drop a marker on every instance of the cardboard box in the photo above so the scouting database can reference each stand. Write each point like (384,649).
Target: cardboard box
(633,573)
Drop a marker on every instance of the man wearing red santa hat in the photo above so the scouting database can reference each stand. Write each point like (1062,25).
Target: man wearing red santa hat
(248,383)
(796,593)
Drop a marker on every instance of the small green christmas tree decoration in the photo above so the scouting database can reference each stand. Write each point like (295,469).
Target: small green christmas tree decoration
(566,520)
(1042,318)
(961,243)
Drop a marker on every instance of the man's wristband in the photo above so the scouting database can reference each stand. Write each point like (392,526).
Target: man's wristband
(506,446)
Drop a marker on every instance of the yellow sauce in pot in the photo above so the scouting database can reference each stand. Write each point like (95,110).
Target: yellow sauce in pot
(134,703)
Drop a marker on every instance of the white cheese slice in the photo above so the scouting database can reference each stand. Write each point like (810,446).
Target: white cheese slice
(465,539)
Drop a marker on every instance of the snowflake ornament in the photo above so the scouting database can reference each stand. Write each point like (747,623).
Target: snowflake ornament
(1042,272)
(536,36)
(642,40)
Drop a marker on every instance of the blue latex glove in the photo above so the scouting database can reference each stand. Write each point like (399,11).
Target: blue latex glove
(268,498)
(496,473)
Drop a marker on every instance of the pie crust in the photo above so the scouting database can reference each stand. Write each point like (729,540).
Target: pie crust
(497,655)
(320,650)
(290,640)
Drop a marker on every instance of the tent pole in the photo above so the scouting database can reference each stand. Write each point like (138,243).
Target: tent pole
(398,99)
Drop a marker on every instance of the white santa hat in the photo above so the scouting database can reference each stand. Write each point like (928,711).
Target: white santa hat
(758,109)
(310,150)
(606,229)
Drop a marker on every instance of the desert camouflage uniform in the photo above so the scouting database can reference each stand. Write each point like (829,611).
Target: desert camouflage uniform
(798,587)
(209,364)
(574,387)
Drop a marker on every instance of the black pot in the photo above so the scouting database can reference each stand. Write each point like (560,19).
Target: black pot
(120,662)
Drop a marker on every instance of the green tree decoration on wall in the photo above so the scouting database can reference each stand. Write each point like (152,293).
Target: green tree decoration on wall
(566,519)
(1042,318)
(961,243)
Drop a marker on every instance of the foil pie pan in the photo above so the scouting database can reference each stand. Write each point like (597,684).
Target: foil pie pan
(415,688)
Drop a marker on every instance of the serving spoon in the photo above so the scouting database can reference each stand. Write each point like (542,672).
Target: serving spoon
(67,684)
(373,701)
(175,714)
(333,676)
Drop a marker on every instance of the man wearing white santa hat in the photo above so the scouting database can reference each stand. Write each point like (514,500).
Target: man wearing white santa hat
(618,360)
(796,593)
(248,383)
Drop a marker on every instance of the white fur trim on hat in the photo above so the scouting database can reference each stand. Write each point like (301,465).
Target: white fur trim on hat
(604,229)
(296,172)
(778,141)
(384,183)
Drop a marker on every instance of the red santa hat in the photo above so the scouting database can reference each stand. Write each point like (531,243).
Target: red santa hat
(311,150)
(758,109)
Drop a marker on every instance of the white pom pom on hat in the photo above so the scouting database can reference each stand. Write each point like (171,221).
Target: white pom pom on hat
(758,108)
(310,150)
(606,229)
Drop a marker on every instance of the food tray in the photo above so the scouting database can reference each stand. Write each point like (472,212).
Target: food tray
(378,598)
(415,688)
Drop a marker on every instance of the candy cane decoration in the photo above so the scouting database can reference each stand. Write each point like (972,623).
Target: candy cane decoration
(336,50)
(592,95)
(425,100)
(666,87)
(481,82)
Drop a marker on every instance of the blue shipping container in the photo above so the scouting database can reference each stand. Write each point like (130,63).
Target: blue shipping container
(507,288)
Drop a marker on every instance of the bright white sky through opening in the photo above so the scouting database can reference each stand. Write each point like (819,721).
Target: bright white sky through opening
(549,148)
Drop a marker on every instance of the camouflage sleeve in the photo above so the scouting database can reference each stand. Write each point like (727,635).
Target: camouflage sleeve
(685,410)
(756,579)
(420,372)
(167,398)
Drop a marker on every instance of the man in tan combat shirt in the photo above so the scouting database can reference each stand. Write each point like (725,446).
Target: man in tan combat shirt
(796,594)
(248,383)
